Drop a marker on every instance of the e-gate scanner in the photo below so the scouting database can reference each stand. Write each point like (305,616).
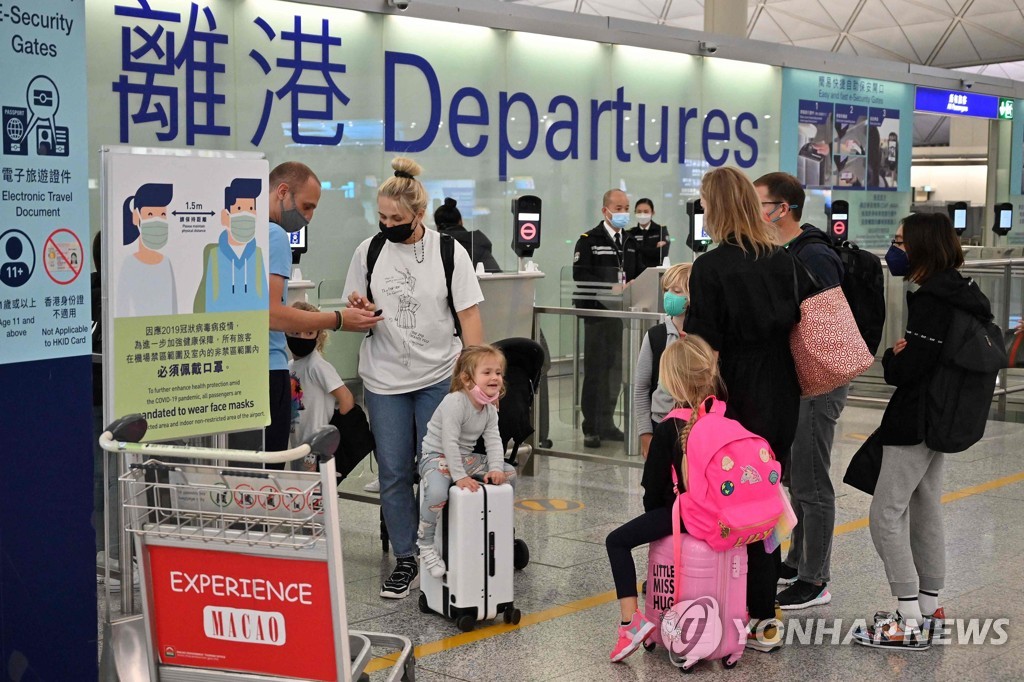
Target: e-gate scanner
(958,214)
(839,221)
(1004,219)
(697,238)
(526,211)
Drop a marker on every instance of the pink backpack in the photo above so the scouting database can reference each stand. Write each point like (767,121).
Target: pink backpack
(731,478)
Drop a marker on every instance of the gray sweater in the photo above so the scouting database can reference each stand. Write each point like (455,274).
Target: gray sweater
(648,408)
(455,428)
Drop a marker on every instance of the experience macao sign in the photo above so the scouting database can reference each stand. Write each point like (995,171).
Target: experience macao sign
(44,214)
(188,294)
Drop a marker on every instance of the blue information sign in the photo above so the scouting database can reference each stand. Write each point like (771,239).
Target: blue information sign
(956,103)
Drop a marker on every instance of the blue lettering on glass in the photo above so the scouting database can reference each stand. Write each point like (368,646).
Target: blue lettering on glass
(154,56)
(456,118)
(596,109)
(710,136)
(661,155)
(742,136)
(571,126)
(391,141)
(685,116)
(505,148)
(621,107)
(300,89)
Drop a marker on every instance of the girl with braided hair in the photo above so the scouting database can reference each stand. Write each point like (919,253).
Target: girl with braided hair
(689,373)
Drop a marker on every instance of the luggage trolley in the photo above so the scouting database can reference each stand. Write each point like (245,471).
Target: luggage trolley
(242,576)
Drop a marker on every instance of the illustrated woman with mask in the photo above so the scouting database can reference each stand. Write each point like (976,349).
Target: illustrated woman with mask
(906,509)
(234,275)
(651,238)
(650,401)
(406,363)
(146,285)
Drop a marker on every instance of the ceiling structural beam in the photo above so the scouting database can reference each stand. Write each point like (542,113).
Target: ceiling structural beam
(663,17)
(849,25)
(726,17)
(755,16)
(578,8)
(947,33)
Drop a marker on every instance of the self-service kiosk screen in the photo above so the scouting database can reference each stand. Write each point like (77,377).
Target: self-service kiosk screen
(297,240)
(527,230)
(960,218)
(1005,218)
(699,235)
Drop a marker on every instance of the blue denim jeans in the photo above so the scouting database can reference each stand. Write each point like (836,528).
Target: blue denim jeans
(814,498)
(399,423)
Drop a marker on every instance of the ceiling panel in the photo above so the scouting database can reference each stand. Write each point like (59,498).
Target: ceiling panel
(903,30)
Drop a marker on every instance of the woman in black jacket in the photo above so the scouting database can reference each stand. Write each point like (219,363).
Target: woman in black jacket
(906,511)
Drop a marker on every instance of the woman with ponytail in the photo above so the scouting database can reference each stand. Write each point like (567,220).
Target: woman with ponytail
(689,373)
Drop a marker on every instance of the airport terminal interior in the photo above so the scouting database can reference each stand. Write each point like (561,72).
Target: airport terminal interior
(132,130)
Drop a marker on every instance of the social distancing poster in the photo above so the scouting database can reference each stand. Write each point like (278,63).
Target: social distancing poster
(187,290)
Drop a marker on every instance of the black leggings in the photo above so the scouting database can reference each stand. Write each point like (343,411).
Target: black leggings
(762,580)
(275,435)
(651,526)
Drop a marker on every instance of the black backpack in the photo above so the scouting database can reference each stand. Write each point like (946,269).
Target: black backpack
(956,400)
(447,260)
(657,336)
(863,285)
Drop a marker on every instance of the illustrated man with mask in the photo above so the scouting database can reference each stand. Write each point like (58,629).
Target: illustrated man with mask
(608,254)
(234,276)
(294,195)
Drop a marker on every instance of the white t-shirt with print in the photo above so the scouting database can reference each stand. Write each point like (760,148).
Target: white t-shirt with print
(313,379)
(414,345)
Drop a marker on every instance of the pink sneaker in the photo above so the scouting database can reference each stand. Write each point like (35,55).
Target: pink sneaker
(632,636)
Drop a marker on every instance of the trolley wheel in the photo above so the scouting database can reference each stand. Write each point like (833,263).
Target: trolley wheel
(727,664)
(650,646)
(687,670)
(513,616)
(465,623)
(520,554)
(424,607)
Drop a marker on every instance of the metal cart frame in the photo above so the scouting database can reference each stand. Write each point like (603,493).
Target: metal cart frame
(201,513)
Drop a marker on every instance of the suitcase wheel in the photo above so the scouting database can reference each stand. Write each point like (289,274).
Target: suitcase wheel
(513,616)
(466,623)
(729,664)
(650,646)
(424,607)
(520,554)
(687,670)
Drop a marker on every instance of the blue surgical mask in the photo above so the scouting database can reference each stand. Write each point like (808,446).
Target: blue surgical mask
(619,220)
(898,261)
(675,304)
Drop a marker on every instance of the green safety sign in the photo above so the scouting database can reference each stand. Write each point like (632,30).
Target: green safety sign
(1005,109)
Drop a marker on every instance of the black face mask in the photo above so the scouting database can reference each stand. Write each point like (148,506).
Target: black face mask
(299,347)
(396,233)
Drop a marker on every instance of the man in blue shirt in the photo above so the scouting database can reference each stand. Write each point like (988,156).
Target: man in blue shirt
(294,195)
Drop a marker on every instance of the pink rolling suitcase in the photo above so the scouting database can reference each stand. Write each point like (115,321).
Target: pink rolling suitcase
(661,586)
(708,618)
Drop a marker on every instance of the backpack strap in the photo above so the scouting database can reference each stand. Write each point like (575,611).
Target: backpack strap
(448,262)
(372,254)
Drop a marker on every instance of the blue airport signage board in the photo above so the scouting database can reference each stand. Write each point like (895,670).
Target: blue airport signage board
(956,103)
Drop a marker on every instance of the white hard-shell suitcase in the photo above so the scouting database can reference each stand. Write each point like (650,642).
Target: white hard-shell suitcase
(475,539)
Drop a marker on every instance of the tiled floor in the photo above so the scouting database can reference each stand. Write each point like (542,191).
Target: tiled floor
(569,567)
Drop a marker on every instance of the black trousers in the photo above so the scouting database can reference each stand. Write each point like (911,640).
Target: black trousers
(650,526)
(275,435)
(602,373)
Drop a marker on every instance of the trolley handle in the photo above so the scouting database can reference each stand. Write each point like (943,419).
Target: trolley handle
(125,433)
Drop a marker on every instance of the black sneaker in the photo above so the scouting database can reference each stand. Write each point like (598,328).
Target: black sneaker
(802,594)
(787,575)
(403,579)
(591,440)
(613,434)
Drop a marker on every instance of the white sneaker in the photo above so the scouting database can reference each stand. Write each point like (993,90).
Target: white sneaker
(373,486)
(432,562)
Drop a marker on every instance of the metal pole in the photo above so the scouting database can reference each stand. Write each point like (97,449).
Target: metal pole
(576,321)
(1007,292)
(633,341)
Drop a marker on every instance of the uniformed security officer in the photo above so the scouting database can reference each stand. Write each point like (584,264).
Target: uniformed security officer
(651,238)
(607,253)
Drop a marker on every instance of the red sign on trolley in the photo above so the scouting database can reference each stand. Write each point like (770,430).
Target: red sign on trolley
(245,613)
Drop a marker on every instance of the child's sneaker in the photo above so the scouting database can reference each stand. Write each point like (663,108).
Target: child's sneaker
(632,636)
(765,636)
(432,562)
(891,632)
(933,625)
(373,486)
(402,580)
(802,594)
(787,575)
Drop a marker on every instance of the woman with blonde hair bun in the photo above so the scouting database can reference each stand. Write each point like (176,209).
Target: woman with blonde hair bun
(744,302)
(406,361)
